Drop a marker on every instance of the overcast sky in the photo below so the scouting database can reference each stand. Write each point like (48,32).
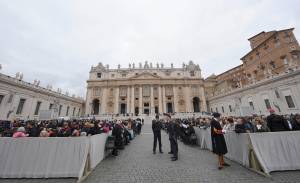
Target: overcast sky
(58,41)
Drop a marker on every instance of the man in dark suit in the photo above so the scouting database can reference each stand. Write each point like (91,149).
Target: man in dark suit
(173,131)
(156,128)
(276,122)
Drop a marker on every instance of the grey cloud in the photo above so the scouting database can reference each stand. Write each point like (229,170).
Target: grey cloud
(58,41)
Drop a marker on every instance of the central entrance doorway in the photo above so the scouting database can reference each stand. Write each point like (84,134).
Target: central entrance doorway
(146,108)
(196,104)
(169,107)
(123,109)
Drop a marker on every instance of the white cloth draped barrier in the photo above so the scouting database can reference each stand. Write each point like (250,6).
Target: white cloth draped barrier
(203,138)
(277,151)
(40,157)
(97,149)
(238,147)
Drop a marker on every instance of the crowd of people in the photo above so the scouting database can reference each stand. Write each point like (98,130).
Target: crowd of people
(68,128)
(251,124)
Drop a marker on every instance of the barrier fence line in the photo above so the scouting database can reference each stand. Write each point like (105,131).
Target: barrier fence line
(40,157)
(53,157)
(261,152)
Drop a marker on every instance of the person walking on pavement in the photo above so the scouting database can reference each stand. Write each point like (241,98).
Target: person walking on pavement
(156,128)
(173,135)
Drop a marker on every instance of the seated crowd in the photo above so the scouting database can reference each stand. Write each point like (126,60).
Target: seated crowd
(61,128)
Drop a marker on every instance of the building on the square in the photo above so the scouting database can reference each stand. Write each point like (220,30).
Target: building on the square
(145,89)
(28,101)
(269,77)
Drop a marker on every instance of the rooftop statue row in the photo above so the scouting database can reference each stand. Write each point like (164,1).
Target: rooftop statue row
(190,66)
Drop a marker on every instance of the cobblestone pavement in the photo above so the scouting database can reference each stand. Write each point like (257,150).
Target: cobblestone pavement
(137,164)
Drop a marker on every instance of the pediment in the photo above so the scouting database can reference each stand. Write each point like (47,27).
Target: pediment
(145,75)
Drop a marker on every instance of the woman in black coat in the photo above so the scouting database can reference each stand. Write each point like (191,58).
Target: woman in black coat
(218,141)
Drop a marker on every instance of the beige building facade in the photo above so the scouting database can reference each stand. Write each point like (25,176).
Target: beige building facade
(29,101)
(145,89)
(269,77)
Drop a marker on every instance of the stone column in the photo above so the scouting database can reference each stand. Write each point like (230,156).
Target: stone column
(141,100)
(203,100)
(152,107)
(116,111)
(103,101)
(88,106)
(160,108)
(132,100)
(187,99)
(128,100)
(164,99)
(175,100)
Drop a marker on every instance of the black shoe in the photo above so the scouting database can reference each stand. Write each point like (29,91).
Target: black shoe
(220,167)
(161,152)
(226,164)
(174,159)
(170,152)
(154,152)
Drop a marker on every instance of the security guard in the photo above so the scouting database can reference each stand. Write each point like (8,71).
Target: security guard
(173,131)
(156,128)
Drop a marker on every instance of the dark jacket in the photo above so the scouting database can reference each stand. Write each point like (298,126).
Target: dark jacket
(277,123)
(296,126)
(173,130)
(240,128)
(156,125)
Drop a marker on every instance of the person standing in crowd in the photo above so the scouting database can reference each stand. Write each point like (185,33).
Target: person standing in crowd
(218,141)
(230,126)
(173,131)
(240,127)
(296,123)
(276,122)
(156,128)
(20,133)
(32,130)
(260,125)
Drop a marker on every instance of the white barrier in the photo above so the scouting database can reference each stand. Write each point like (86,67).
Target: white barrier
(204,138)
(39,157)
(97,149)
(277,151)
(238,147)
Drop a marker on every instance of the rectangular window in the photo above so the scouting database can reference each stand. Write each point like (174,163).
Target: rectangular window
(10,98)
(99,75)
(1,98)
(20,106)
(50,106)
(267,102)
(289,101)
(222,109)
(59,111)
(74,111)
(37,108)
(78,112)
(67,113)
(251,105)
(230,109)
(192,73)
(211,110)
(217,109)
